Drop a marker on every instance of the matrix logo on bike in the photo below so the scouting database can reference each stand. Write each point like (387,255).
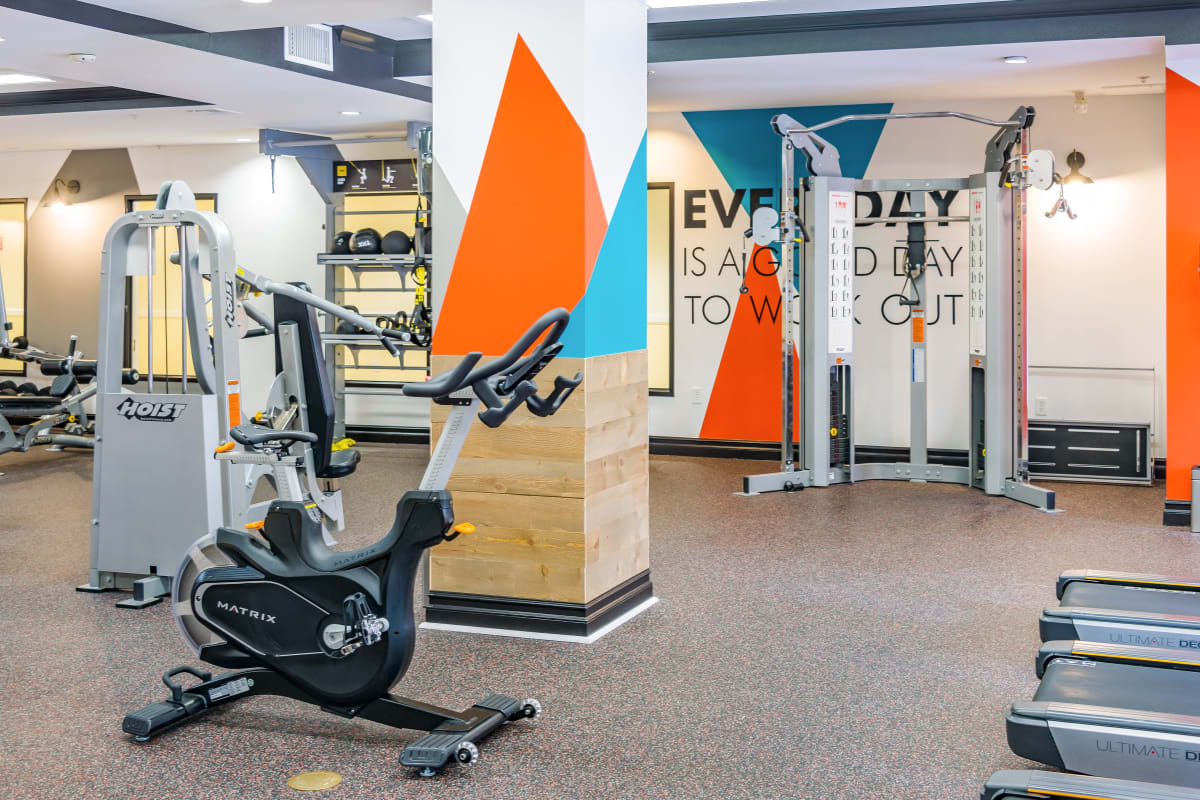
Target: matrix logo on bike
(130,408)
(245,612)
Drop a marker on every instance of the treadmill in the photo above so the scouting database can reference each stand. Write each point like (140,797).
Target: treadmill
(1113,710)
(1009,784)
(1125,608)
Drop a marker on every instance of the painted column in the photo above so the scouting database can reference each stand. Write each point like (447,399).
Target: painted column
(1183,280)
(540,201)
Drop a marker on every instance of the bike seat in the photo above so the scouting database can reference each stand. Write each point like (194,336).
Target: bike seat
(254,435)
(341,464)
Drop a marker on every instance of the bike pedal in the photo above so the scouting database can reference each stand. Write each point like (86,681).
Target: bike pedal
(432,751)
(510,707)
(157,717)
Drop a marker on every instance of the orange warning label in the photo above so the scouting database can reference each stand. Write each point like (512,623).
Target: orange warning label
(235,403)
(918,329)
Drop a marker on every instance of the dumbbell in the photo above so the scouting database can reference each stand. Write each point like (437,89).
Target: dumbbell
(27,388)
(8,388)
(347,328)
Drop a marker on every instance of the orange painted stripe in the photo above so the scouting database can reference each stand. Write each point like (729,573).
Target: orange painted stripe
(1183,284)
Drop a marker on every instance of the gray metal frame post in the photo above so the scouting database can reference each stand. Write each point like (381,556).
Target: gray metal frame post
(787,294)
(138,479)
(828,350)
(918,407)
(5,341)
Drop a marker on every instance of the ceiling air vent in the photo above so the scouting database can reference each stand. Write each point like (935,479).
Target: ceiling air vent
(311,45)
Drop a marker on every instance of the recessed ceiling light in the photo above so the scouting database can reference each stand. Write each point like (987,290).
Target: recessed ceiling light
(426,17)
(10,78)
(243,139)
(1016,59)
(679,3)
(351,113)
(2,39)
(256,1)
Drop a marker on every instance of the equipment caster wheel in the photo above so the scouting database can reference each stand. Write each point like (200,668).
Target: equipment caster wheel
(427,772)
(467,754)
(532,709)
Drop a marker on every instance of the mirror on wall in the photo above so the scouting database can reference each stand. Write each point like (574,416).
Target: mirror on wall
(12,274)
(660,287)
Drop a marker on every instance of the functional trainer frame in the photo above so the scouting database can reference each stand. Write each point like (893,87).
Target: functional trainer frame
(997,456)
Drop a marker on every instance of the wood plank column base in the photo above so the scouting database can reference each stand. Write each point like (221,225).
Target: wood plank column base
(560,506)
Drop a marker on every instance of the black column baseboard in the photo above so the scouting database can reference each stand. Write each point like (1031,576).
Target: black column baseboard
(538,616)
(1177,512)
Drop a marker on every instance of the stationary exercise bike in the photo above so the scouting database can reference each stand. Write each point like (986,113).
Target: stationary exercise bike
(332,628)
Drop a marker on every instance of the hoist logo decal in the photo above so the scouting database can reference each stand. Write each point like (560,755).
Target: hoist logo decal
(150,412)
(230,304)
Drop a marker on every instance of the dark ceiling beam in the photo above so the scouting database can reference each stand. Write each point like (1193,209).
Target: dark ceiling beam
(94,98)
(1012,21)
(413,58)
(355,65)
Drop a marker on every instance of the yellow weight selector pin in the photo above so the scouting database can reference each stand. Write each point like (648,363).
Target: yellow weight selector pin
(833,431)
(464,527)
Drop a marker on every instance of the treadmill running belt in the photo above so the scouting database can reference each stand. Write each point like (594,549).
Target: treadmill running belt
(1129,598)
(1166,691)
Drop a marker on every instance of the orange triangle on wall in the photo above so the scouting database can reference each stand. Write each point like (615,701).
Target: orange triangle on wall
(747,398)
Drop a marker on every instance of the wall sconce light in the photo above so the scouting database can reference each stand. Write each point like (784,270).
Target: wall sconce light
(70,187)
(1075,161)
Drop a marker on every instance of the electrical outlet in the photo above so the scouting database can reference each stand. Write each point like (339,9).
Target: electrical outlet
(697,395)
(1039,406)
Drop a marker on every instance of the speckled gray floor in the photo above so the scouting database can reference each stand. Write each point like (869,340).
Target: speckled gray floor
(843,643)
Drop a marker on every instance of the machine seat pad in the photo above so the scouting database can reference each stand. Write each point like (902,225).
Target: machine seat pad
(14,401)
(251,434)
(341,464)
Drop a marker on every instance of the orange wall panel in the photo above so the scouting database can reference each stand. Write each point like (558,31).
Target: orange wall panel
(1183,283)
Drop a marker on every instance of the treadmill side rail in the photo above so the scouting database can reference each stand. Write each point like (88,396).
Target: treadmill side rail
(1035,784)
(1107,716)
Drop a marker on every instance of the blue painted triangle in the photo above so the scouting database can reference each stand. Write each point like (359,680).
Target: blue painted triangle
(745,149)
(611,316)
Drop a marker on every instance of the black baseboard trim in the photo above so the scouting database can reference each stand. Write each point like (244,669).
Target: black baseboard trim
(769,451)
(1177,512)
(538,616)
(387,435)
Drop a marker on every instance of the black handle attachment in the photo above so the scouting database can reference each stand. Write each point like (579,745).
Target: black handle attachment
(176,689)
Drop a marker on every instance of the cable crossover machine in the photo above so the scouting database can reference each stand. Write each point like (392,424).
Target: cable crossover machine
(997,460)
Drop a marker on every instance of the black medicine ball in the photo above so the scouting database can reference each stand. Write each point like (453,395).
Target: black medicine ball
(365,241)
(397,243)
(341,243)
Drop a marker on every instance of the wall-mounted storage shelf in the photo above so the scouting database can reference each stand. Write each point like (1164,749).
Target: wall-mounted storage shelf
(379,285)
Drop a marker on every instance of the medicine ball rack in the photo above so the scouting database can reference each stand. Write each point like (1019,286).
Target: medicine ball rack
(343,275)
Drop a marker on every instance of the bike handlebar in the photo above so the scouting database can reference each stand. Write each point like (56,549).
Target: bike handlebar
(465,374)
(517,370)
